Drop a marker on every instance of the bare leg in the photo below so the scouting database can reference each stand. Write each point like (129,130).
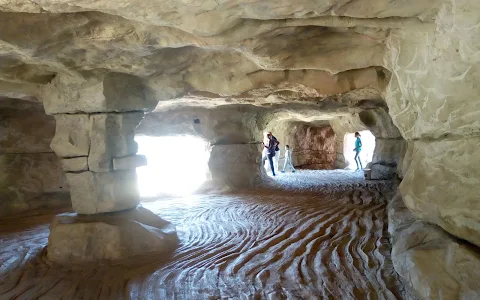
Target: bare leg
(358,161)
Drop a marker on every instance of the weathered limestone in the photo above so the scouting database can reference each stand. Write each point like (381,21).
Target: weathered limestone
(96,120)
(432,262)
(75,164)
(129,162)
(24,127)
(114,236)
(72,135)
(386,158)
(313,146)
(94,193)
(31,176)
(25,177)
(389,144)
(112,135)
(442,184)
(236,165)
(113,92)
(433,99)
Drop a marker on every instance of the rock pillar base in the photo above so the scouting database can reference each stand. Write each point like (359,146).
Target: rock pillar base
(111,236)
(236,166)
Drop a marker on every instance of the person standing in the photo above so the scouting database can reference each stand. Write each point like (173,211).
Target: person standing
(288,159)
(270,144)
(358,148)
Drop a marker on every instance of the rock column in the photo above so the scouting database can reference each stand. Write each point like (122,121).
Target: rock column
(95,124)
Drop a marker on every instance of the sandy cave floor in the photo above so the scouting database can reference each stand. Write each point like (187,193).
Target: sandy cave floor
(311,235)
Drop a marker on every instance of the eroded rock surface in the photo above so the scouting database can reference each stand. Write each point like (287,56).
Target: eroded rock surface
(433,100)
(309,61)
(31,176)
(79,239)
(434,263)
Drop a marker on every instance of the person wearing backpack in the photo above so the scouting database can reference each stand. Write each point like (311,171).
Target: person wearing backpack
(270,144)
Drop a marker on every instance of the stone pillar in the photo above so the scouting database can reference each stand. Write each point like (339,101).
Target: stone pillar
(237,165)
(95,127)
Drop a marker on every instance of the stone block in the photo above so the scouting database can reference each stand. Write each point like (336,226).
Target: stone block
(113,236)
(129,162)
(94,193)
(113,92)
(75,164)
(112,135)
(442,183)
(71,135)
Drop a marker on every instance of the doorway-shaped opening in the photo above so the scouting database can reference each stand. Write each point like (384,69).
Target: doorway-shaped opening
(368,147)
(177,165)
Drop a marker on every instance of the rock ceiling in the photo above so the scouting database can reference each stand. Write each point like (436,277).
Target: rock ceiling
(236,51)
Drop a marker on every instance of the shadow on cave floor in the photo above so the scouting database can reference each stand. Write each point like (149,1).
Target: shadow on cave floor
(328,242)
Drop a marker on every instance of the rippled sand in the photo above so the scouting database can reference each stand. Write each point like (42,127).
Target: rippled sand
(310,235)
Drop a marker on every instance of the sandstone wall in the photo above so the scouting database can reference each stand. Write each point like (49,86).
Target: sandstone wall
(31,175)
(434,100)
(313,146)
(389,144)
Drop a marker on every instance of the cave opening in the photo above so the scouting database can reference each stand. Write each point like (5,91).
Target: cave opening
(368,147)
(176,165)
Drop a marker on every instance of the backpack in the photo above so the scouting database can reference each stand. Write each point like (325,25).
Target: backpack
(277,143)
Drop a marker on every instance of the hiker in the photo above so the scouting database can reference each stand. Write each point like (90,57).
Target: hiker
(288,159)
(358,148)
(270,144)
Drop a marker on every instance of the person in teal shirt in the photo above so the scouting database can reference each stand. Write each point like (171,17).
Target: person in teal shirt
(358,148)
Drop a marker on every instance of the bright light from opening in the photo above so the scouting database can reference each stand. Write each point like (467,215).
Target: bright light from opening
(368,146)
(177,165)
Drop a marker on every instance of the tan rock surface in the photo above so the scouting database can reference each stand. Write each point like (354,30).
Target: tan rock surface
(441,185)
(433,100)
(72,135)
(24,127)
(81,239)
(111,135)
(94,193)
(129,162)
(25,177)
(75,164)
(434,263)
(236,165)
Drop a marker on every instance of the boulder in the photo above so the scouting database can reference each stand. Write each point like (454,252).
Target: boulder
(113,236)
(94,193)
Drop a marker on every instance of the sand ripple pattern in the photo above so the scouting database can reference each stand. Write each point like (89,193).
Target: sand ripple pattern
(328,243)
